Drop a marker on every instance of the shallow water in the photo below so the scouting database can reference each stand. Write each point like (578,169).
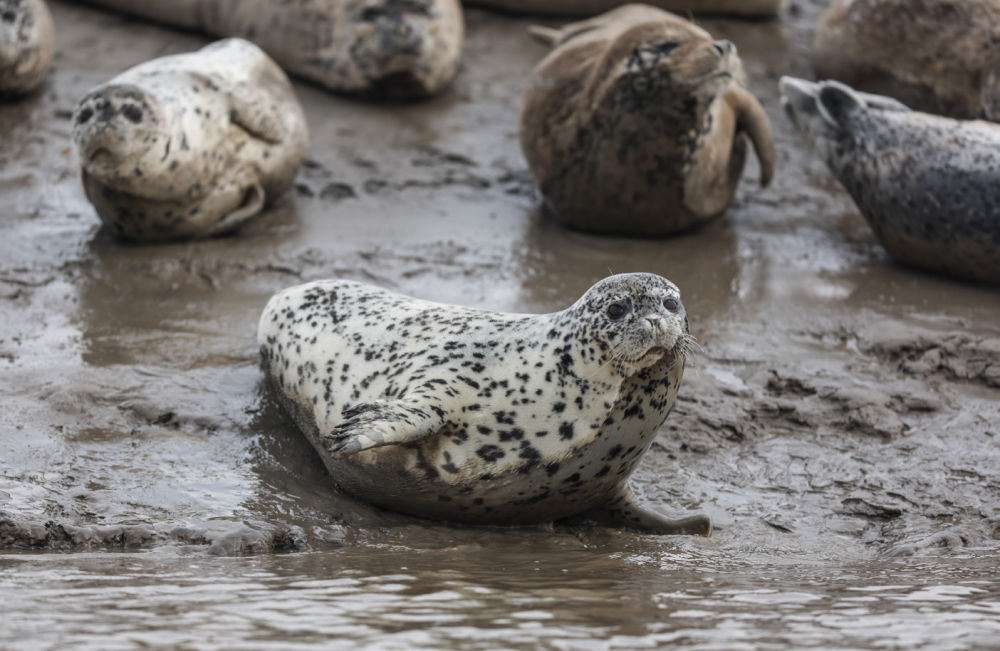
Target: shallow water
(498,593)
(840,424)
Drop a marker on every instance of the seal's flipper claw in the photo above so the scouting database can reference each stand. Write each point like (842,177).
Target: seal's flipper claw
(374,424)
(546,35)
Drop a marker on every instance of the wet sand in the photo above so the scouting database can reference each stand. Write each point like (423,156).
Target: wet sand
(840,425)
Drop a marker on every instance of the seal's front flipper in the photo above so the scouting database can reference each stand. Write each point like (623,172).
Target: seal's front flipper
(374,424)
(256,114)
(750,117)
(626,512)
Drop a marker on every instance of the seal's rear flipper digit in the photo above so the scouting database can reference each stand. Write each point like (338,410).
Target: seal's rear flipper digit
(374,424)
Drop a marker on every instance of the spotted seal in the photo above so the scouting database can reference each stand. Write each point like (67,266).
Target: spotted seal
(634,123)
(939,56)
(928,185)
(189,145)
(483,417)
(26,45)
(396,49)
(747,8)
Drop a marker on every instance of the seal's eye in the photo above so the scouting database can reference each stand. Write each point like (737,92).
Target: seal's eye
(672,304)
(666,47)
(84,115)
(132,113)
(8,17)
(618,310)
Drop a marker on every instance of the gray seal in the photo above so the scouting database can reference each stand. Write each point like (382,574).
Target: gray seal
(26,45)
(938,56)
(189,145)
(929,186)
(742,8)
(634,124)
(397,49)
(482,417)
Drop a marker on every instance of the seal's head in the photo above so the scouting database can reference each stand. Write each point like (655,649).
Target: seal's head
(660,61)
(26,45)
(636,320)
(831,115)
(395,44)
(149,143)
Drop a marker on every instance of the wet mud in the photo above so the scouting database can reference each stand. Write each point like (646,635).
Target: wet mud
(840,422)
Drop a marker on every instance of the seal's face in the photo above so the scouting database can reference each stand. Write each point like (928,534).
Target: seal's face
(391,38)
(160,141)
(117,123)
(638,320)
(661,62)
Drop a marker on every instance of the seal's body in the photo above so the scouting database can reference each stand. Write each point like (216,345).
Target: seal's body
(390,48)
(482,417)
(189,145)
(26,45)
(747,8)
(634,124)
(929,186)
(939,56)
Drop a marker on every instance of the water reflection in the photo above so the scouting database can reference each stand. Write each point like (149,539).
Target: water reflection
(510,594)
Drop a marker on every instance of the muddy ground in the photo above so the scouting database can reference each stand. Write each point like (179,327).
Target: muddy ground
(843,409)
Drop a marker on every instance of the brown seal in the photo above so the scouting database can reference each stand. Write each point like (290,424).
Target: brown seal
(938,56)
(634,123)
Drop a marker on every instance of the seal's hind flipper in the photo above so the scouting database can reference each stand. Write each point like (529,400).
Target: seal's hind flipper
(251,206)
(374,424)
(627,512)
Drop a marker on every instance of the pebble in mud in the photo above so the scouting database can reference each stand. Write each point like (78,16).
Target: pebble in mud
(938,56)
(398,49)
(483,417)
(26,45)
(634,124)
(747,8)
(190,145)
(928,186)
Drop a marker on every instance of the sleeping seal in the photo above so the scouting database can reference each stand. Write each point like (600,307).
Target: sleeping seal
(189,145)
(466,415)
(634,124)
(929,186)
(939,56)
(26,45)
(386,48)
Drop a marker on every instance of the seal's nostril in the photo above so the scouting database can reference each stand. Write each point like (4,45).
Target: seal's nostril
(723,47)
(132,113)
(83,116)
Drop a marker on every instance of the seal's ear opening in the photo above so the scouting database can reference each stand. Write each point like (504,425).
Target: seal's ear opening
(835,101)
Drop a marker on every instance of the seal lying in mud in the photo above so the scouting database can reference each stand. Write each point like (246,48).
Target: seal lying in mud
(386,48)
(26,45)
(940,56)
(189,145)
(634,123)
(592,7)
(929,186)
(483,417)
